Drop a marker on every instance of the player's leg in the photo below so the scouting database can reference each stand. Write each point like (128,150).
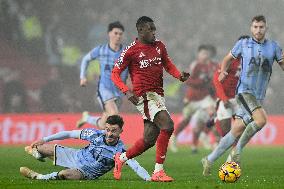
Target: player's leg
(109,102)
(68,174)
(259,118)
(198,123)
(150,135)
(226,142)
(187,111)
(41,151)
(111,108)
(163,120)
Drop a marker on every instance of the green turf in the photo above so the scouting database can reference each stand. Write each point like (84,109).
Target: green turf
(261,168)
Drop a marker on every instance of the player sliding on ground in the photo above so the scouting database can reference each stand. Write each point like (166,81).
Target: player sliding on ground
(90,162)
(146,59)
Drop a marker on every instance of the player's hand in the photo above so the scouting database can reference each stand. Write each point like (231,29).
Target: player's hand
(132,98)
(222,76)
(83,82)
(37,143)
(185,101)
(184,76)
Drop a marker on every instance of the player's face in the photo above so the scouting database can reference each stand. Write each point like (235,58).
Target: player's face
(258,30)
(203,56)
(116,36)
(112,133)
(148,32)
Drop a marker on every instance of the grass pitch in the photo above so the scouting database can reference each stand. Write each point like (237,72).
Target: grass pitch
(262,167)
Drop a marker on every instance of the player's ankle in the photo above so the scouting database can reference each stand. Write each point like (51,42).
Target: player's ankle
(158,167)
(123,157)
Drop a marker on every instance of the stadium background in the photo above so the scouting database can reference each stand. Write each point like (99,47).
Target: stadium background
(42,43)
(40,40)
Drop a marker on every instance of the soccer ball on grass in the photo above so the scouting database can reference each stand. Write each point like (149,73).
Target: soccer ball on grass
(230,172)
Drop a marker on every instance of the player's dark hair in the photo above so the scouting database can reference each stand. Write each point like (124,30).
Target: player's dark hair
(143,20)
(243,37)
(258,18)
(115,120)
(202,47)
(116,24)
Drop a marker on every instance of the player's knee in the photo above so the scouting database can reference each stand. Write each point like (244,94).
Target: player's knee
(150,141)
(261,121)
(62,175)
(67,175)
(111,112)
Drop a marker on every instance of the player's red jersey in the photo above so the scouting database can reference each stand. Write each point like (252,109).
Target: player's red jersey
(227,88)
(145,63)
(200,80)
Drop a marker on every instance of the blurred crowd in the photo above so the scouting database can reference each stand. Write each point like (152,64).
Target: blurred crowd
(42,43)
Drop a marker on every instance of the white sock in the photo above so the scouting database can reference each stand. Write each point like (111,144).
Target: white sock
(137,168)
(123,157)
(158,167)
(251,129)
(93,120)
(50,176)
(226,142)
(36,153)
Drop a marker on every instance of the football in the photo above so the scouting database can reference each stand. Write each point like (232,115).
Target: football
(230,172)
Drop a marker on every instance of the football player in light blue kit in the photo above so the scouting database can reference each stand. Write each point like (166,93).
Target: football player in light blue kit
(90,162)
(108,95)
(258,55)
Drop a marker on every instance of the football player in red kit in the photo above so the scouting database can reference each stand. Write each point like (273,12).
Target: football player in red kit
(145,58)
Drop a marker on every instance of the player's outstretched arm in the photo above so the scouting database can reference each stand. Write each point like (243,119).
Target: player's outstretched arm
(92,55)
(58,136)
(84,66)
(138,169)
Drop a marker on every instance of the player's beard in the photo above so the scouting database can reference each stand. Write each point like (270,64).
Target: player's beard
(112,140)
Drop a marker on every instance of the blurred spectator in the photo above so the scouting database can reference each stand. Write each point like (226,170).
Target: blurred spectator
(52,93)
(14,94)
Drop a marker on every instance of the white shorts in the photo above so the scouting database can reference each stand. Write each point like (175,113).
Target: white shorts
(193,106)
(200,117)
(150,104)
(226,113)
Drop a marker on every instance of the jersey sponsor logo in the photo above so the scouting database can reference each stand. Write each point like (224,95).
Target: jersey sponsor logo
(150,62)
(255,63)
(141,55)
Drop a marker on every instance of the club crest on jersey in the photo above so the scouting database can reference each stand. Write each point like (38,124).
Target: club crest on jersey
(141,55)
(158,50)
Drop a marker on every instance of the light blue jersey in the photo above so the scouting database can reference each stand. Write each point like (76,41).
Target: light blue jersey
(106,57)
(257,61)
(97,158)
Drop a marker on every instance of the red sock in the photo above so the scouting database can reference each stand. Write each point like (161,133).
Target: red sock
(138,148)
(162,145)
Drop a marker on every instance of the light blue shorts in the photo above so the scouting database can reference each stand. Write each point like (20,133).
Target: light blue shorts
(108,93)
(67,157)
(247,103)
